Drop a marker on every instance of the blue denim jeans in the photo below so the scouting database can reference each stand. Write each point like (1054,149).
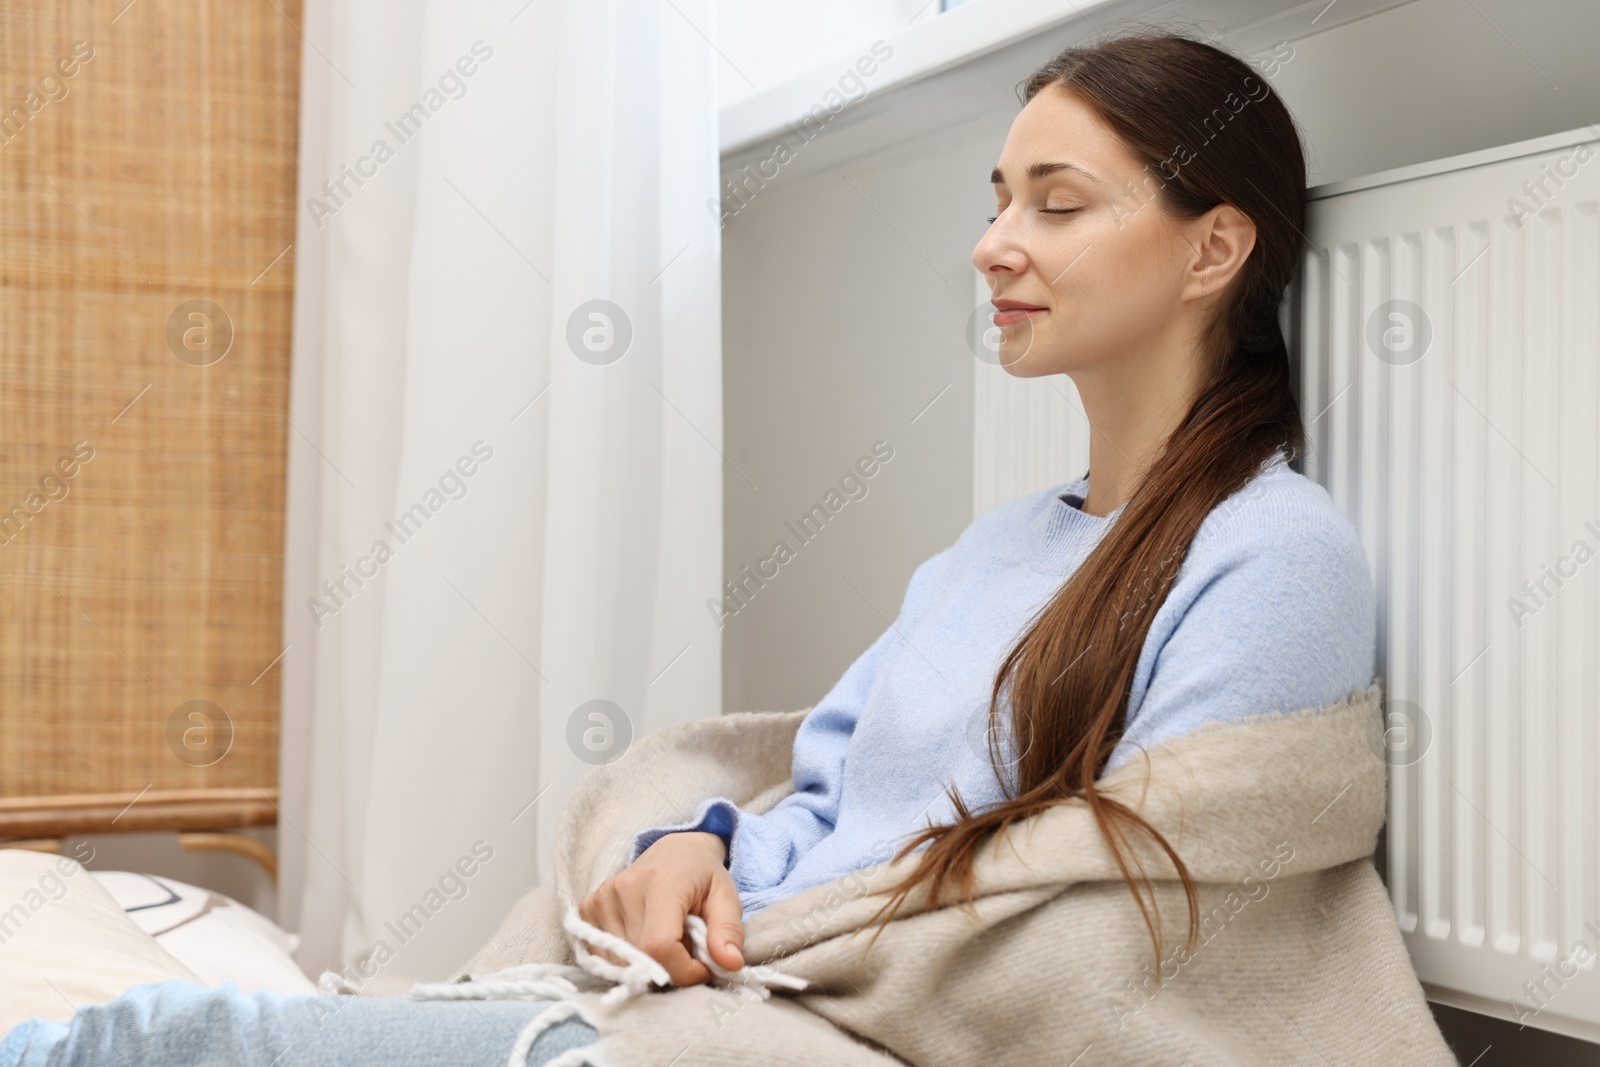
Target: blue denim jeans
(177,1024)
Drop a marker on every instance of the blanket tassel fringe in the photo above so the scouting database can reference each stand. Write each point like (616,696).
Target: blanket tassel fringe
(560,982)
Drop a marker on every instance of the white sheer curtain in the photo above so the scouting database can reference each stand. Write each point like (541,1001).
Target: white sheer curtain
(472,177)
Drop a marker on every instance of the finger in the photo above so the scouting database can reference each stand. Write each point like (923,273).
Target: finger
(605,954)
(630,901)
(663,939)
(605,914)
(724,916)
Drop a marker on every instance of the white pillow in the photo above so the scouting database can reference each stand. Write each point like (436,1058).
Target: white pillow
(65,942)
(215,936)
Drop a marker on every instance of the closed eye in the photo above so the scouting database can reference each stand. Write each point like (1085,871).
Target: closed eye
(1045,211)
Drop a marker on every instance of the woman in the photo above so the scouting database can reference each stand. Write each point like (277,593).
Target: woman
(1149,204)
(1149,207)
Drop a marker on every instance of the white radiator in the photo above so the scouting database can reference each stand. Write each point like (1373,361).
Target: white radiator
(1449,338)
(1447,325)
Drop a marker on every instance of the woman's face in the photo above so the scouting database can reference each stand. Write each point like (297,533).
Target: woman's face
(1079,236)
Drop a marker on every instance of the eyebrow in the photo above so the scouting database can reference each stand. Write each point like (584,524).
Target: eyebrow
(1042,170)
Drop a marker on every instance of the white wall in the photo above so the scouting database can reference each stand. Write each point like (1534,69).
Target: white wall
(767,42)
(1435,78)
(839,333)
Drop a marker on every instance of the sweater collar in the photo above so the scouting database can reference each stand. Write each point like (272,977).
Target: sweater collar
(1063,532)
(1067,533)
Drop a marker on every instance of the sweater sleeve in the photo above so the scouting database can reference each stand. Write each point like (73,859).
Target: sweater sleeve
(1274,612)
(762,848)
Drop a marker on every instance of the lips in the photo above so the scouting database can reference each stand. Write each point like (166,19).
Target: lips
(1010,311)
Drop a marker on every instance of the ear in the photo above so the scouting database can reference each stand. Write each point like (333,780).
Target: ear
(1220,241)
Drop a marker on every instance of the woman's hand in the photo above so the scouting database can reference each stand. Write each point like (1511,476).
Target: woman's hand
(647,902)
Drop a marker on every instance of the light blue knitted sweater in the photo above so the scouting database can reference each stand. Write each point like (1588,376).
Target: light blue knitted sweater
(1273,610)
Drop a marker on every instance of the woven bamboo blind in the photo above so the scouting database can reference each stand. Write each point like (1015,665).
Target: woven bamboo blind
(147,177)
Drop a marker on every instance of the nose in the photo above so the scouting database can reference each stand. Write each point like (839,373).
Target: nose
(997,251)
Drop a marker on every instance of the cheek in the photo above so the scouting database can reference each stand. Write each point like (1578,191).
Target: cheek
(1099,253)
(1131,268)
(1120,287)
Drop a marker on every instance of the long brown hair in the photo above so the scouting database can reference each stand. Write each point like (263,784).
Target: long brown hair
(1068,677)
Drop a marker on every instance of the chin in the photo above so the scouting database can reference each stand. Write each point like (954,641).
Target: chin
(1033,363)
(1026,367)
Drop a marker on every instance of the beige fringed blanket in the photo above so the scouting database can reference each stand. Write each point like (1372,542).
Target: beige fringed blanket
(1299,961)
